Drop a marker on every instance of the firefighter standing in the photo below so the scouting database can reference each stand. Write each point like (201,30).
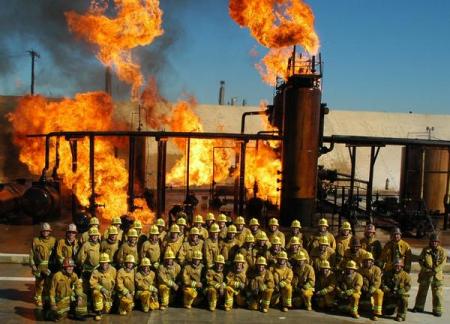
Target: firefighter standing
(321,253)
(261,287)
(188,248)
(125,285)
(102,283)
(275,232)
(93,223)
(432,259)
(146,291)
(395,249)
(110,244)
(211,246)
(89,256)
(198,222)
(242,231)
(370,244)
(161,229)
(295,232)
(41,250)
(343,241)
(215,282)
(173,241)
(130,247)
(322,232)
(303,282)
(68,246)
(151,248)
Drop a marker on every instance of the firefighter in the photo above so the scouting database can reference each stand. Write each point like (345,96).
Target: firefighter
(343,241)
(211,246)
(348,289)
(182,225)
(65,288)
(254,227)
(222,222)
(396,284)
(432,259)
(242,231)
(117,223)
(89,256)
(188,248)
(354,253)
(198,222)
(102,283)
(236,281)
(322,232)
(325,286)
(295,247)
(128,248)
(249,253)
(173,241)
(151,249)
(272,252)
(303,282)
(93,223)
(141,237)
(145,283)
(395,249)
(371,285)
(261,247)
(161,229)
(125,285)
(41,251)
(110,244)
(168,278)
(274,231)
(295,232)
(229,246)
(261,287)
(209,220)
(192,277)
(321,253)
(215,282)
(283,276)
(68,246)
(370,244)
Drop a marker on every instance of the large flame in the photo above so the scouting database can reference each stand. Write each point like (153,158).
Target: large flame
(277,25)
(87,111)
(137,23)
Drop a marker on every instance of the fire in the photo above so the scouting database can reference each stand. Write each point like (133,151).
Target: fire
(277,25)
(137,23)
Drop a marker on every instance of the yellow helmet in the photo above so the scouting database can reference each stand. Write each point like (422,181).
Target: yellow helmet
(273,222)
(194,231)
(181,221)
(351,265)
(324,264)
(132,233)
(219,259)
(174,229)
(169,254)
(130,259)
(197,255)
(145,262)
(104,258)
(294,240)
(94,221)
(282,255)
(210,217)
(346,226)
(250,239)
(253,222)
(275,240)
(198,219)
(154,230)
(323,240)
(160,222)
(239,258)
(222,218)
(214,228)
(261,261)
(239,220)
(137,224)
(261,236)
(301,256)
(323,222)
(116,221)
(232,229)
(296,224)
(368,256)
(112,230)
(94,231)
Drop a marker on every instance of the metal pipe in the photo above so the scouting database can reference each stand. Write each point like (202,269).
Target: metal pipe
(352,151)
(74,152)
(131,165)
(92,204)
(57,159)
(250,113)
(373,159)
(188,158)
(47,158)
(161,177)
(242,178)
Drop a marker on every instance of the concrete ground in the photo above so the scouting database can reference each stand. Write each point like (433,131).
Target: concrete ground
(16,292)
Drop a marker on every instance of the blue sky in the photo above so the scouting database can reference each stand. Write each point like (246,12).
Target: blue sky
(379,55)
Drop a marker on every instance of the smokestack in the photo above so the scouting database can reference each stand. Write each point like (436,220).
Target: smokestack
(244,102)
(108,81)
(222,93)
(233,101)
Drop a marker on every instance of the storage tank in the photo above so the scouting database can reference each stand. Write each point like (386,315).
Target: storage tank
(435,178)
(411,176)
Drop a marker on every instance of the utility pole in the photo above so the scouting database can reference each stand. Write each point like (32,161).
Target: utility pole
(33,55)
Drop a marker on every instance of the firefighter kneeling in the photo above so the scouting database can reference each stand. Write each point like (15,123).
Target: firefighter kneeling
(348,290)
(192,280)
(261,287)
(102,284)
(125,285)
(146,291)
(236,283)
(371,285)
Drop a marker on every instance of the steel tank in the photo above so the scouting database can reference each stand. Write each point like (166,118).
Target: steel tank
(42,200)
(436,178)
(301,128)
(411,175)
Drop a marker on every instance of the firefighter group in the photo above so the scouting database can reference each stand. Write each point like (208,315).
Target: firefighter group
(216,263)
